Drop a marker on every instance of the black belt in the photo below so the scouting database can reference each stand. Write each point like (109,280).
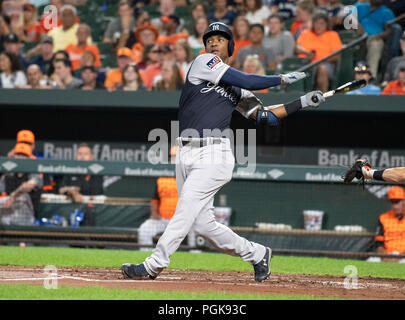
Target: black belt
(200,143)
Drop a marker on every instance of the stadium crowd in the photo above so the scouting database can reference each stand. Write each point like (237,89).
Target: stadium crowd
(149,45)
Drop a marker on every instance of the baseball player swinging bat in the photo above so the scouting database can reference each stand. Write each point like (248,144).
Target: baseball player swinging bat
(349,86)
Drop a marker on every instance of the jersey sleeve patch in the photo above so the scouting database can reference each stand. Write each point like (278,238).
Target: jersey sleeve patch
(214,63)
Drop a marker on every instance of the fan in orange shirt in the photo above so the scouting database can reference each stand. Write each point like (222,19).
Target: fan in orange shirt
(317,43)
(170,25)
(304,12)
(396,86)
(114,76)
(76,50)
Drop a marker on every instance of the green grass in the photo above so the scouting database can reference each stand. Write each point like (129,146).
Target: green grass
(30,292)
(102,258)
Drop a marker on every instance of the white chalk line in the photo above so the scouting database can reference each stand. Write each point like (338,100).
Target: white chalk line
(177,279)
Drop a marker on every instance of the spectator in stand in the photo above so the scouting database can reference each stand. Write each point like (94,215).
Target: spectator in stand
(4,30)
(89,60)
(89,76)
(183,56)
(119,28)
(241,28)
(317,43)
(63,77)
(266,56)
(390,238)
(170,32)
(12,44)
(303,19)
(77,186)
(154,66)
(372,18)
(166,8)
(198,10)
(256,11)
(171,78)
(52,19)
(147,57)
(114,76)
(26,137)
(66,34)
(58,55)
(44,59)
(20,193)
(396,87)
(253,65)
(35,79)
(11,74)
(285,8)
(131,79)
(145,34)
(362,71)
(195,40)
(395,63)
(221,13)
(396,6)
(76,50)
(336,12)
(29,28)
(278,39)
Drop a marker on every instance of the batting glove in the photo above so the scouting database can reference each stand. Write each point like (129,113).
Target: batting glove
(292,77)
(312,99)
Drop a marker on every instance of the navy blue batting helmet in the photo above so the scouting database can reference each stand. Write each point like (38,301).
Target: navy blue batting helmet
(220,28)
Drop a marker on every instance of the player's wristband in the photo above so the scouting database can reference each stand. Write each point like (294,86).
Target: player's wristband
(266,117)
(378,175)
(293,106)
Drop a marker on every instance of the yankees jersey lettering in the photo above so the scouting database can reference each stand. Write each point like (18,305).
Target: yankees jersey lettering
(205,102)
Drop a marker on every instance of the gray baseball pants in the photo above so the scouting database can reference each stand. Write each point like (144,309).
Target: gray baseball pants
(200,172)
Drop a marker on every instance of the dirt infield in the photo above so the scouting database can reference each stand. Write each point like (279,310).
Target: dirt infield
(205,281)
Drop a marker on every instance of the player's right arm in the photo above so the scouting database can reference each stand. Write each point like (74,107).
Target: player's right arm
(252,108)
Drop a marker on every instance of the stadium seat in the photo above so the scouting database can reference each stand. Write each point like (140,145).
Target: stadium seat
(152,10)
(347,36)
(196,51)
(29,45)
(108,60)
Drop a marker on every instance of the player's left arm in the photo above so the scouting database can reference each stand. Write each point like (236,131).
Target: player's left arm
(248,81)
(252,108)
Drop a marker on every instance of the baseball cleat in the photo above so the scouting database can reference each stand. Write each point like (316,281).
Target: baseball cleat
(262,269)
(135,271)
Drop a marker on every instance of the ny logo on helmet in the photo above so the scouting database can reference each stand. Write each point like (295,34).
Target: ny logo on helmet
(215,27)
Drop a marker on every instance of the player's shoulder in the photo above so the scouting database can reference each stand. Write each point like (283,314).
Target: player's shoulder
(205,57)
(207,61)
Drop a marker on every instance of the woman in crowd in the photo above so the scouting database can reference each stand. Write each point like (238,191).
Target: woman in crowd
(31,28)
(171,78)
(131,79)
(241,35)
(195,40)
(183,56)
(11,74)
(256,12)
(253,65)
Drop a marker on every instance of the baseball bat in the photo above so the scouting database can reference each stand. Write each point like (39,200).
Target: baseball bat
(349,86)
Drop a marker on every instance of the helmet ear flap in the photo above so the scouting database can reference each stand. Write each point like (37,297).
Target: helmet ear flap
(231,47)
